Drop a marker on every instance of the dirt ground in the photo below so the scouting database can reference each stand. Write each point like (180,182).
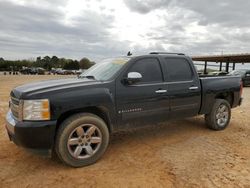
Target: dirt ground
(181,153)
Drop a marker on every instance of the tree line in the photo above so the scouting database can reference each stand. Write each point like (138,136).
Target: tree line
(45,62)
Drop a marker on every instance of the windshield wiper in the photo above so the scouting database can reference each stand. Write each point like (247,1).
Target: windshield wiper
(88,76)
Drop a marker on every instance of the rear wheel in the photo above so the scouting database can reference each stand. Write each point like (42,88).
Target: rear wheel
(219,117)
(81,140)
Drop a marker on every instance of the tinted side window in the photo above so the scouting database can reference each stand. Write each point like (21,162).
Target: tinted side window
(178,69)
(149,68)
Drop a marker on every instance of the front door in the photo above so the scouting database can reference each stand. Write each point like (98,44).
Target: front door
(145,101)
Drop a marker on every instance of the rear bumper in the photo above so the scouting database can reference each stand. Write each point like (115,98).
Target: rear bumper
(31,134)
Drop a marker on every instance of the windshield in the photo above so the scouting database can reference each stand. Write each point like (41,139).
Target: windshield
(106,69)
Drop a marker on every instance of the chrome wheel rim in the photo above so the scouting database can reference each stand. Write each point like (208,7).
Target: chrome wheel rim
(222,115)
(84,141)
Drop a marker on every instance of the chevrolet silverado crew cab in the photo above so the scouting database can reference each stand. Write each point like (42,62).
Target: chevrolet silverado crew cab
(74,117)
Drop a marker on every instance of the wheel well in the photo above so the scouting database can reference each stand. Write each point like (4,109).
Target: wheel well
(226,96)
(94,110)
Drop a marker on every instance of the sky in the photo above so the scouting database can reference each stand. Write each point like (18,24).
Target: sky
(104,28)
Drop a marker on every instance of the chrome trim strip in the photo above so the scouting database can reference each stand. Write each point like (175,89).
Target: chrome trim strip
(10,122)
(161,91)
(180,82)
(20,112)
(16,106)
(146,84)
(15,99)
(193,88)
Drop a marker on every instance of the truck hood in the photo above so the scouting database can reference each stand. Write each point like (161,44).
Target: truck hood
(50,85)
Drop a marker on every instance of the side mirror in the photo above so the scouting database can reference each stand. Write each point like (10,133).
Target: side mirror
(133,77)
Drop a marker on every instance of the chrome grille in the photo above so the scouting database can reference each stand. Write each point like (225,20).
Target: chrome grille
(14,107)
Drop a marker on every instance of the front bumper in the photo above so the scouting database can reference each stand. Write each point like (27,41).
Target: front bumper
(31,134)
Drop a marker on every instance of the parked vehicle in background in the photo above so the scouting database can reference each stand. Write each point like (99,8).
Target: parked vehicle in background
(244,74)
(218,73)
(61,71)
(80,71)
(52,71)
(69,72)
(75,117)
(33,70)
(40,71)
(25,70)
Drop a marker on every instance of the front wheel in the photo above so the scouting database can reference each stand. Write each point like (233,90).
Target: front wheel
(81,140)
(220,115)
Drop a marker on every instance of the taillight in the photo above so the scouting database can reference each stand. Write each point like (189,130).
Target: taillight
(241,88)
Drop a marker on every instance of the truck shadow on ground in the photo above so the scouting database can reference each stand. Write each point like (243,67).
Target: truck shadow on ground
(124,141)
(164,130)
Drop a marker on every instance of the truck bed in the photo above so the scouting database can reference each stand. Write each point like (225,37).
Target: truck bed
(212,86)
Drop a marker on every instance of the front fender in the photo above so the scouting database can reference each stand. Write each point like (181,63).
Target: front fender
(102,98)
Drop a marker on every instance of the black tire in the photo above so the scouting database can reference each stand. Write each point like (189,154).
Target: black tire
(211,119)
(64,132)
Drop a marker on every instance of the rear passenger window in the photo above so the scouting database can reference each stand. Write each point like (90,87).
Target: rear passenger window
(178,69)
(149,68)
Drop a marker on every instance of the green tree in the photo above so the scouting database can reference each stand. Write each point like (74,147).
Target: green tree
(46,63)
(61,62)
(1,60)
(54,62)
(38,59)
(38,62)
(85,63)
(71,65)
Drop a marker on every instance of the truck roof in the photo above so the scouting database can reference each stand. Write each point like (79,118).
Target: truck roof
(168,54)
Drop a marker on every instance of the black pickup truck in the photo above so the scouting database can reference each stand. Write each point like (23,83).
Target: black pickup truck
(74,117)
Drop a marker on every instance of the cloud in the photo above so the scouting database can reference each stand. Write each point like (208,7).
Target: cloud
(198,26)
(104,28)
(225,12)
(35,31)
(145,6)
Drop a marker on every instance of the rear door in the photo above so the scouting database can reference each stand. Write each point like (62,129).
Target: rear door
(183,87)
(146,101)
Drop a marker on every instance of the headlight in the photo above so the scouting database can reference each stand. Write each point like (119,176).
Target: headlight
(36,109)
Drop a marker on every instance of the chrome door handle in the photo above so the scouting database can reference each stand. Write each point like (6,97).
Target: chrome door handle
(193,88)
(161,91)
